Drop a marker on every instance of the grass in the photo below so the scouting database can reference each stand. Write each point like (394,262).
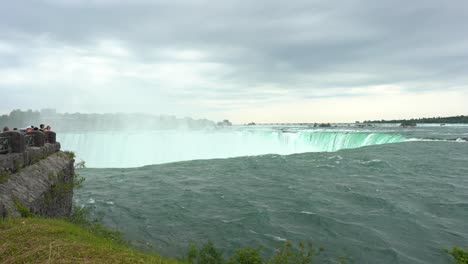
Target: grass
(80,239)
(40,240)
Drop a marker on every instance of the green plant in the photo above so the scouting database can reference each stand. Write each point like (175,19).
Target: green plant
(80,165)
(192,253)
(60,175)
(51,175)
(69,154)
(48,240)
(288,254)
(459,254)
(246,255)
(23,210)
(77,180)
(208,254)
(81,216)
(59,189)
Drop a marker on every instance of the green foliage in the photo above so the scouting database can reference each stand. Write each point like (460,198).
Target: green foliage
(69,154)
(210,255)
(288,254)
(80,165)
(23,210)
(77,179)
(59,189)
(192,253)
(45,240)
(51,175)
(247,255)
(61,175)
(459,254)
(81,216)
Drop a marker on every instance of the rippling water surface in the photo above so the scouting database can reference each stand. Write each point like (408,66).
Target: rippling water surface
(388,203)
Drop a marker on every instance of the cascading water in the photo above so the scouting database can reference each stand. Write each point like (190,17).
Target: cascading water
(139,148)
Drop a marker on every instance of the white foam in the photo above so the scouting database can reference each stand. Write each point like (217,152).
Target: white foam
(277,238)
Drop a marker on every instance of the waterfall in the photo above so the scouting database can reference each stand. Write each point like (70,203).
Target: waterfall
(139,148)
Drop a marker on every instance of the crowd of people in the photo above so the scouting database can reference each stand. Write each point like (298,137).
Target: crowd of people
(28,129)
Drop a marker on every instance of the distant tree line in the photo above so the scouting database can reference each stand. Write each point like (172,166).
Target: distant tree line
(99,122)
(462,119)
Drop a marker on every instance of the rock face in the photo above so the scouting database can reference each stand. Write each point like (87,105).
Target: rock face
(39,181)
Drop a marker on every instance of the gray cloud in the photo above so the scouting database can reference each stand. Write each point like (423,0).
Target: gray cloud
(256,50)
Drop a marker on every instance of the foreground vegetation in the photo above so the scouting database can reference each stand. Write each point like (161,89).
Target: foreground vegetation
(82,239)
(39,240)
(42,240)
(460,255)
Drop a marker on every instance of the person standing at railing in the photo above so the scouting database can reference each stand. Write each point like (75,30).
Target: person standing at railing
(5,129)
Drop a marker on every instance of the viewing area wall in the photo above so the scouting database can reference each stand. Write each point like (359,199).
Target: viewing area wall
(19,149)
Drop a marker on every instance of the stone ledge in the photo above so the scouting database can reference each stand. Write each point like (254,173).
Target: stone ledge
(13,162)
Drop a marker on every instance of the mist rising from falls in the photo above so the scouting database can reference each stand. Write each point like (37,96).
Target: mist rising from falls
(139,148)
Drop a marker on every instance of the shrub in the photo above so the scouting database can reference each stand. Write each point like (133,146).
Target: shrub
(210,255)
(192,253)
(70,154)
(288,254)
(247,255)
(81,216)
(459,254)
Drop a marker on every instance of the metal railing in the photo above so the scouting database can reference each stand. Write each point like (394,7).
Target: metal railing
(4,145)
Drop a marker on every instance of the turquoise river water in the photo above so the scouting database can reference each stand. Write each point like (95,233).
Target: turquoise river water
(373,195)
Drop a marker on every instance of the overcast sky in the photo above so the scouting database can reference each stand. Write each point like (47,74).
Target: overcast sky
(262,60)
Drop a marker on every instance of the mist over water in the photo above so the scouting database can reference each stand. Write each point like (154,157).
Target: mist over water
(138,148)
